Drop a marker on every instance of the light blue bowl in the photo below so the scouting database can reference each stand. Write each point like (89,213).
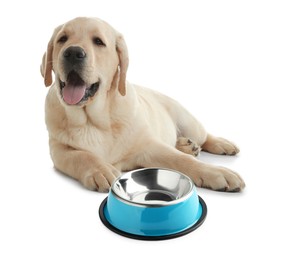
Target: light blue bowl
(153,204)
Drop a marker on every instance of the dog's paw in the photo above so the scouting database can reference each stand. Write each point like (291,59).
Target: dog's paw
(100,179)
(218,145)
(188,146)
(219,179)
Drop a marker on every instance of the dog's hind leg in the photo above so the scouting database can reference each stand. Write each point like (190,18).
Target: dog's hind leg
(188,126)
(218,145)
(186,145)
(191,132)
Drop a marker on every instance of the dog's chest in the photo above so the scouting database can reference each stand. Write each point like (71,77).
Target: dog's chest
(105,144)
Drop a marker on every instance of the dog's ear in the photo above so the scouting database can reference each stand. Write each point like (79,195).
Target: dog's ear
(123,63)
(47,60)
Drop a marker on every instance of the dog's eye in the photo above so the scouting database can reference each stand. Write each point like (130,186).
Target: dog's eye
(62,39)
(98,41)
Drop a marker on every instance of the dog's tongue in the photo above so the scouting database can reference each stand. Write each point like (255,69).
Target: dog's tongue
(73,94)
(74,89)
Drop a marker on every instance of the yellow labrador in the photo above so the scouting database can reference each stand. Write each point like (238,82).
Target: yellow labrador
(100,125)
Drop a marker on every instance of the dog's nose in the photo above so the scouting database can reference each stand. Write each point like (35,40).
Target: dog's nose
(74,54)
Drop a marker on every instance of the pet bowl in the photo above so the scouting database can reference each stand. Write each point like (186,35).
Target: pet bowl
(153,204)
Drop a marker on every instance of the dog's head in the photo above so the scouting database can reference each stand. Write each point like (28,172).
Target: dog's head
(85,54)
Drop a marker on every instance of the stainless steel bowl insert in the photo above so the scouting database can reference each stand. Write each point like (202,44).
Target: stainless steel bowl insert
(153,187)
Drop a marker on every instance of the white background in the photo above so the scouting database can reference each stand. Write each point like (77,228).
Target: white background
(236,65)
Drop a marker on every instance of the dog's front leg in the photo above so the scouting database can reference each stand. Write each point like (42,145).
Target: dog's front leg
(91,171)
(203,175)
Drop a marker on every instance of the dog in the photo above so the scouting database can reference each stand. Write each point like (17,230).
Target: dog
(100,125)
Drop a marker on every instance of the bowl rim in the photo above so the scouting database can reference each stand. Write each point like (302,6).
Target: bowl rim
(153,205)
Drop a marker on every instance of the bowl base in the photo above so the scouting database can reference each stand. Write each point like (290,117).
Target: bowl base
(164,237)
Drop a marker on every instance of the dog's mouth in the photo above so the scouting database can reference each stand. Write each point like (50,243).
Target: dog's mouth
(75,91)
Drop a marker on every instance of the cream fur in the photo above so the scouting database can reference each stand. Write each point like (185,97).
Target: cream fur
(123,126)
